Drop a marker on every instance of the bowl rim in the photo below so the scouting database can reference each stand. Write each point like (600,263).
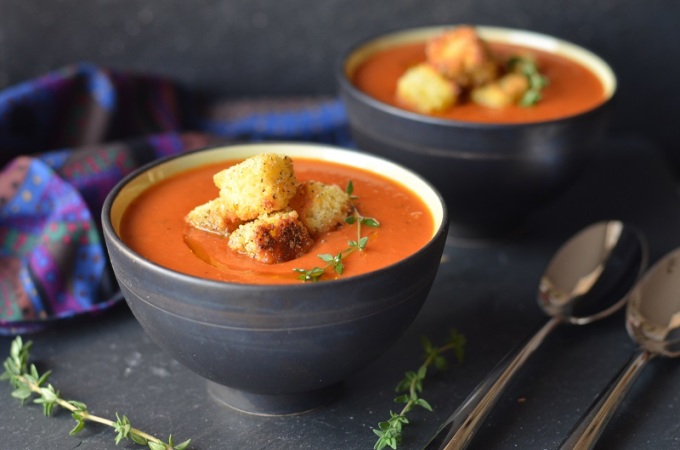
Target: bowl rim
(111,235)
(518,36)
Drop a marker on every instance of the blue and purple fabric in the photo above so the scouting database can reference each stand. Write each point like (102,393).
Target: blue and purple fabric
(68,137)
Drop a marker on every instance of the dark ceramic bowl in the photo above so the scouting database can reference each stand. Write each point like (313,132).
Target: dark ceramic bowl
(273,349)
(492,176)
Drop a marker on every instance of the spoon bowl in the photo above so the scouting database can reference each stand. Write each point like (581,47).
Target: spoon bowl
(653,313)
(590,275)
(587,279)
(653,322)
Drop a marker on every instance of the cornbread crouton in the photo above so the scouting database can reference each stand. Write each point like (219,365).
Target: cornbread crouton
(213,216)
(461,55)
(424,89)
(321,207)
(272,238)
(259,185)
(508,90)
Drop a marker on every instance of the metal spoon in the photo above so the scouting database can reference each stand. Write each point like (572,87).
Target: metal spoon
(586,280)
(653,322)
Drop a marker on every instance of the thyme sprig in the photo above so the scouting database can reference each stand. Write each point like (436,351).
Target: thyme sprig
(29,383)
(390,432)
(335,262)
(537,81)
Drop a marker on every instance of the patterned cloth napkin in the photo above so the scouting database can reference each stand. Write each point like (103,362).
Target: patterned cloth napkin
(68,137)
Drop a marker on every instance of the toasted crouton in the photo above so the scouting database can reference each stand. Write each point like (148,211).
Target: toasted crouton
(272,238)
(461,55)
(322,207)
(259,185)
(508,90)
(213,216)
(424,89)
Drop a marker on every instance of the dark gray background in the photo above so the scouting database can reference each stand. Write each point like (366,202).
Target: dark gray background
(254,48)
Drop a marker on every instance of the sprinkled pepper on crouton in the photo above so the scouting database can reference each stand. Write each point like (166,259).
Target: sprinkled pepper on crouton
(213,216)
(259,185)
(322,207)
(272,238)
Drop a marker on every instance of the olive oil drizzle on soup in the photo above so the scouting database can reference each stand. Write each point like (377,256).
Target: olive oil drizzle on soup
(572,88)
(154,226)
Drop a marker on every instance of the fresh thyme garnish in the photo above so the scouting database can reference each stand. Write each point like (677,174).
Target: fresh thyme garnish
(27,383)
(537,81)
(390,432)
(335,262)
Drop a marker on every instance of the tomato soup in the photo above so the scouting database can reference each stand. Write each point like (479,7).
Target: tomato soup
(153,225)
(572,88)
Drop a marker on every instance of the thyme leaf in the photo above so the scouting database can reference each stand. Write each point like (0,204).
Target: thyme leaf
(410,387)
(29,383)
(335,262)
(537,81)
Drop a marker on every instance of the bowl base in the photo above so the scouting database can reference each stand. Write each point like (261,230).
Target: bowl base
(273,404)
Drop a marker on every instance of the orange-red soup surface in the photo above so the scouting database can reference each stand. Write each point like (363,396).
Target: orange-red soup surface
(572,88)
(154,226)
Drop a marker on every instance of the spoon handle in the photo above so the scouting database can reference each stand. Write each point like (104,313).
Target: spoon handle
(590,426)
(460,428)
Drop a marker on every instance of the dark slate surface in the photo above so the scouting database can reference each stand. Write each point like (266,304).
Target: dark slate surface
(485,289)
(245,48)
